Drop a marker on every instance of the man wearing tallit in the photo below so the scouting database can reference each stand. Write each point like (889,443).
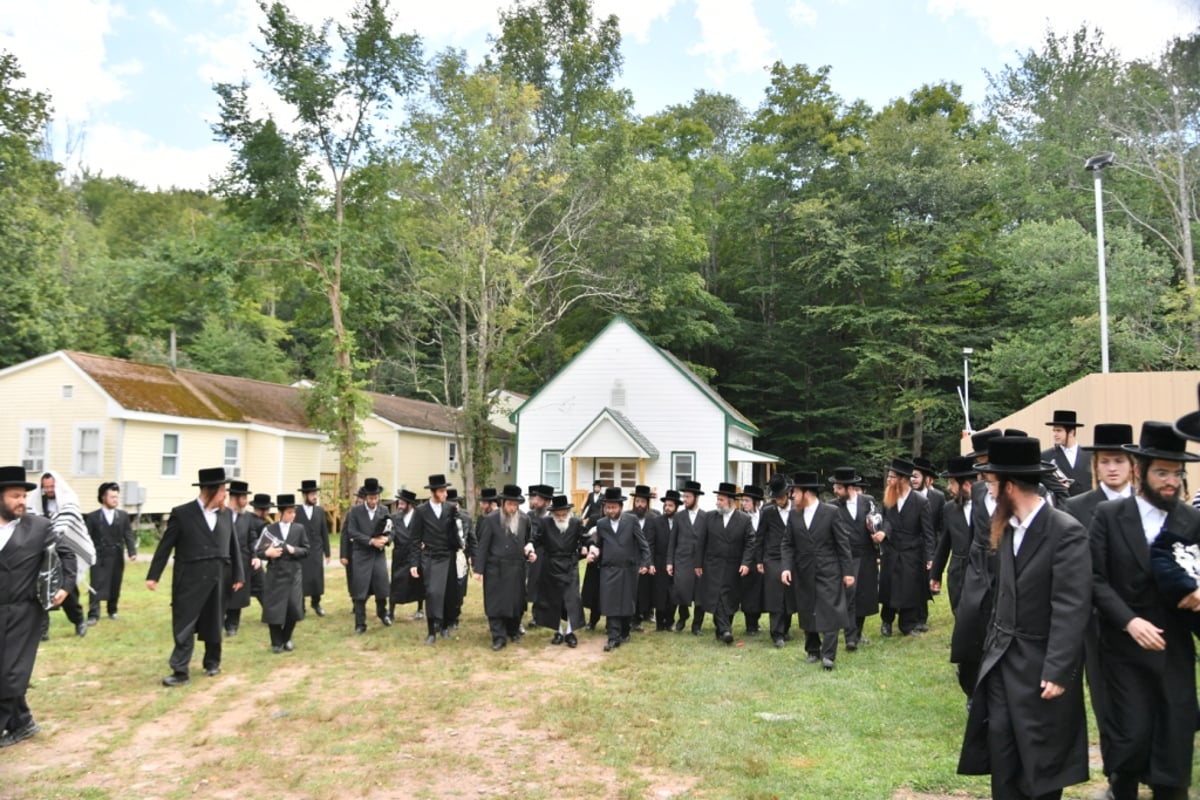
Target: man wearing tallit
(55,500)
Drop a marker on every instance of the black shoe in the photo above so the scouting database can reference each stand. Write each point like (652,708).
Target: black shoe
(921,627)
(112,615)
(45,637)
(230,631)
(445,633)
(360,629)
(81,629)
(778,640)
(175,679)
(695,630)
(276,648)
(386,620)
(626,639)
(289,646)
(753,631)
(638,629)
(916,634)
(212,672)
(571,640)
(517,638)
(827,664)
(419,615)
(885,629)
(431,639)
(851,645)
(93,621)
(558,638)
(521,629)
(679,626)
(9,738)
(319,611)
(727,637)
(498,643)
(611,644)
(811,658)
(591,626)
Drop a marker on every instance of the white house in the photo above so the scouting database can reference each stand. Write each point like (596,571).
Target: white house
(626,412)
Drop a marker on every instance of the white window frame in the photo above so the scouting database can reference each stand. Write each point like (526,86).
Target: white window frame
(452,462)
(163,454)
(506,458)
(233,469)
(689,475)
(551,477)
(80,469)
(25,455)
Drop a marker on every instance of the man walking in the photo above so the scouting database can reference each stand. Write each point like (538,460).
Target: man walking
(860,513)
(682,564)
(364,528)
(316,524)
(725,553)
(284,546)
(505,547)
(622,553)
(907,551)
(1065,454)
(435,543)
(778,600)
(112,534)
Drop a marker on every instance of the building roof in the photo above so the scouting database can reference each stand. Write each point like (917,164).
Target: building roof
(623,424)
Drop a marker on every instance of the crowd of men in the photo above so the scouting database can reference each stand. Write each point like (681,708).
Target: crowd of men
(1048,579)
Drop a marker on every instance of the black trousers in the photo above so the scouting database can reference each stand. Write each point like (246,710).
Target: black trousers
(780,624)
(14,713)
(116,568)
(618,628)
(1008,780)
(501,627)
(909,617)
(360,610)
(185,644)
(282,634)
(70,607)
(823,644)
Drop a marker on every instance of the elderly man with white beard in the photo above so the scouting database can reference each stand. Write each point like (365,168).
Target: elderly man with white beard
(561,541)
(622,553)
(725,552)
(505,545)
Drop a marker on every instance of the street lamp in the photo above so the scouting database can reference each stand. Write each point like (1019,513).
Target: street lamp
(1096,165)
(964,394)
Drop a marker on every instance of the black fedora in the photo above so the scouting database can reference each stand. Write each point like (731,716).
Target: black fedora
(806,480)
(642,491)
(925,466)
(1064,419)
(371,486)
(407,496)
(672,496)
(1014,432)
(727,489)
(1110,436)
(511,492)
(239,487)
(488,495)
(1159,440)
(541,490)
(104,487)
(778,485)
(560,502)
(261,500)
(15,476)
(959,467)
(979,442)
(692,486)
(1015,455)
(752,491)
(902,466)
(308,486)
(212,476)
(613,495)
(1188,426)
(437,482)
(283,501)
(846,476)
(452,494)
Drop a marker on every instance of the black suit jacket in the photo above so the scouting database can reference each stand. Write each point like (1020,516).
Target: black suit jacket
(1081,473)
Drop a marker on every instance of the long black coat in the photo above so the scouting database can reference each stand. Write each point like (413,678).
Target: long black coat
(112,542)
(317,527)
(645,594)
(623,551)
(721,549)
(974,612)
(500,559)
(864,554)
(368,564)
(1124,588)
(953,549)
(772,530)
(204,560)
(559,552)
(819,559)
(681,555)
(1083,506)
(435,545)
(908,545)
(663,595)
(1081,473)
(750,585)
(405,588)
(533,572)
(247,538)
(21,614)
(283,595)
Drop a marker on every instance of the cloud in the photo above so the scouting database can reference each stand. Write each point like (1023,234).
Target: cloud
(161,20)
(636,16)
(802,14)
(1136,32)
(731,38)
(115,150)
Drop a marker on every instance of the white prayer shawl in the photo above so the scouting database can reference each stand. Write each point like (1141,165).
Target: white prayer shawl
(67,522)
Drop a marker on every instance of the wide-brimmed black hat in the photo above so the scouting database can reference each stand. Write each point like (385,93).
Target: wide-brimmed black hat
(642,491)
(1110,436)
(212,476)
(847,476)
(407,496)
(560,502)
(488,495)
(1014,432)
(727,489)
(541,490)
(104,487)
(959,467)
(15,476)
(239,487)
(925,466)
(1159,440)
(452,494)
(1188,426)
(806,480)
(778,485)
(511,492)
(307,486)
(1015,455)
(283,501)
(902,466)
(692,486)
(613,495)
(597,482)
(979,442)
(261,500)
(673,496)
(752,491)
(371,486)
(437,482)
(1064,419)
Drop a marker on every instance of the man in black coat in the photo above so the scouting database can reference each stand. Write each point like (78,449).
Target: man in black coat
(922,480)
(647,519)
(200,534)
(561,542)
(681,558)
(778,600)
(954,545)
(505,547)
(1147,656)
(316,524)
(725,553)
(1026,725)
(1065,454)
(664,588)
(622,553)
(435,544)
(283,545)
(818,566)
(750,590)
(405,588)
(112,534)
(861,513)
(907,546)
(24,539)
(238,503)
(593,507)
(365,529)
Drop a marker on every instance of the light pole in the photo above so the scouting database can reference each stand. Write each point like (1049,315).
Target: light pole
(964,395)
(1096,165)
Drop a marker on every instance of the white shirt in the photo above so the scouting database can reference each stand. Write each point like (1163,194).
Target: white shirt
(6,532)
(989,503)
(1072,453)
(437,509)
(692,514)
(308,512)
(809,513)
(284,527)
(852,507)
(1111,495)
(210,515)
(900,502)
(371,511)
(1020,527)
(408,516)
(966,509)
(108,513)
(1153,519)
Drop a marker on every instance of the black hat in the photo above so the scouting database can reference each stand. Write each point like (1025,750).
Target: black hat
(452,494)
(692,486)
(979,442)
(960,467)
(806,480)
(673,496)
(1014,432)
(926,466)
(213,476)
(104,487)
(613,495)
(752,491)
(902,466)
(1159,440)
(1064,419)
(371,486)
(541,490)
(1015,455)
(283,501)
(1188,426)
(778,486)
(597,482)
(847,476)
(511,492)
(1110,436)
(560,502)
(308,486)
(437,482)
(262,500)
(727,489)
(407,496)
(641,491)
(488,495)
(239,487)
(15,476)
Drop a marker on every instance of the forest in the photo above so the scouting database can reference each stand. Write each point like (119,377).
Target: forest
(439,229)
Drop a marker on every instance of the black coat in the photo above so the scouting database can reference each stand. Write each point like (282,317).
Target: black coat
(283,595)
(317,527)
(247,537)
(1081,473)
(623,551)
(1043,602)
(435,545)
(1083,506)
(681,555)
(111,542)
(405,588)
(954,547)
(368,564)
(864,554)
(663,596)
(533,572)
(500,559)
(908,546)
(772,530)
(721,549)
(750,588)
(645,594)
(559,552)
(819,559)
(974,611)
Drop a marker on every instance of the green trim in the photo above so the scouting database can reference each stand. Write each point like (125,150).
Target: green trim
(695,471)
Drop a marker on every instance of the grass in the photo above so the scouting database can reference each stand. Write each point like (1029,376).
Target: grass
(383,716)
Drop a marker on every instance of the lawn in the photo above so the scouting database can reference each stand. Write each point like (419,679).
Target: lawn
(383,716)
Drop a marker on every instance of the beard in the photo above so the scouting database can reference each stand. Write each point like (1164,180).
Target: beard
(510,522)
(7,514)
(640,511)
(892,494)
(1155,498)
(1003,513)
(561,524)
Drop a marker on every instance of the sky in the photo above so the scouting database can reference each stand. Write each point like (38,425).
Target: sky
(131,81)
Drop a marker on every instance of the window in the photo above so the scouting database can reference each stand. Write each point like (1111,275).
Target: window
(552,469)
(68,391)
(233,462)
(617,473)
(33,448)
(170,455)
(506,459)
(683,468)
(87,450)
(618,394)
(452,456)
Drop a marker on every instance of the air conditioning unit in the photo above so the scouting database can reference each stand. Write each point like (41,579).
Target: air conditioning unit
(31,464)
(235,472)
(452,466)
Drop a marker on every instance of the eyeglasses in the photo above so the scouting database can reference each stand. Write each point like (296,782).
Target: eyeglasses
(1164,474)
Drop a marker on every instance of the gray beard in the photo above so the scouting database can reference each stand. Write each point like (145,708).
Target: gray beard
(725,512)
(511,522)
(561,524)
